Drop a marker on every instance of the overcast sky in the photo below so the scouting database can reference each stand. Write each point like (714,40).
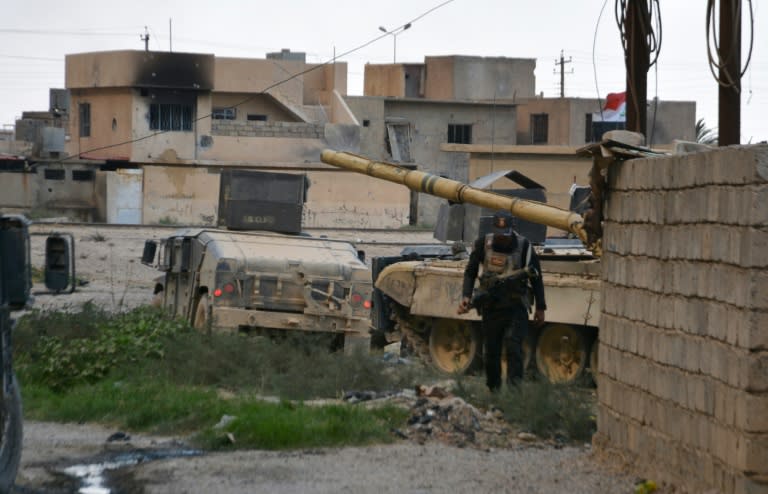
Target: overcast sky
(35,35)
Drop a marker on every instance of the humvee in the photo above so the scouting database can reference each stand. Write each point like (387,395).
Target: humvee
(263,282)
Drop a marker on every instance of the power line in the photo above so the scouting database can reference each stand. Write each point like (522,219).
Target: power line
(271,86)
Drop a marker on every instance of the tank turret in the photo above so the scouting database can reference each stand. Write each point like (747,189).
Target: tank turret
(458,192)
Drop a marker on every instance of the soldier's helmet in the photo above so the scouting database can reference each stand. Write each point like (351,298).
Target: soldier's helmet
(502,222)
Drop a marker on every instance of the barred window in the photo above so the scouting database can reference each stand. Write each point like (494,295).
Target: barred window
(170,116)
(460,133)
(229,113)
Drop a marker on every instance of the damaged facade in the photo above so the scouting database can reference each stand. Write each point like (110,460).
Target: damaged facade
(142,137)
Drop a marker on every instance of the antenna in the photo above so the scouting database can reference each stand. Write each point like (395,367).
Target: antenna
(170,34)
(145,38)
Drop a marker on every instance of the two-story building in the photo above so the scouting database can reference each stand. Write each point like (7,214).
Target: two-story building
(143,137)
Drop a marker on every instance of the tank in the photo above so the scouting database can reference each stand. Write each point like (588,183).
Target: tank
(263,282)
(417,294)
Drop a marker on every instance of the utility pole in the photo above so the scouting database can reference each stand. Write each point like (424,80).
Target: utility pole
(729,91)
(562,63)
(145,38)
(637,62)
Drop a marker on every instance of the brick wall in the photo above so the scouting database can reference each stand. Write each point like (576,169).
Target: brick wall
(267,129)
(683,355)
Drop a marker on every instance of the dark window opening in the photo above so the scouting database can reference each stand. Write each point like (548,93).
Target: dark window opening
(170,116)
(229,113)
(82,175)
(366,123)
(54,174)
(460,133)
(85,119)
(539,128)
(588,137)
(255,117)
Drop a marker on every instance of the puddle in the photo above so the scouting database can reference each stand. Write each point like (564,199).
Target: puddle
(93,477)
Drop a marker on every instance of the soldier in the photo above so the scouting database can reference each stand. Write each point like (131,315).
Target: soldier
(509,283)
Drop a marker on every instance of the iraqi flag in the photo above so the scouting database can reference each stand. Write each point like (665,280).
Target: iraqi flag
(615,109)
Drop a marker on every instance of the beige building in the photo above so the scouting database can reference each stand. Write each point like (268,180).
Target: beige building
(146,134)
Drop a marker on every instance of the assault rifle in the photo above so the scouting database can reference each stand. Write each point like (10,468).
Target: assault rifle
(491,283)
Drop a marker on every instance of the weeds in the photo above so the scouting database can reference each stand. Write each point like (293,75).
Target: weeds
(96,237)
(559,411)
(142,370)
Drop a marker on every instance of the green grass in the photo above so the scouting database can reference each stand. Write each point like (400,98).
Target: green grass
(142,371)
(561,411)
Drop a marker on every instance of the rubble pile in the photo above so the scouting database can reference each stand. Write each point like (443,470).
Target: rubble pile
(438,415)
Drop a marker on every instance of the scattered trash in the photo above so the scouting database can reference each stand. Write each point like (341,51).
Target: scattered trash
(118,436)
(224,421)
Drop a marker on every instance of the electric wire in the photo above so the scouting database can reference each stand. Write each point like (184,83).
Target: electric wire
(263,91)
(718,60)
(646,19)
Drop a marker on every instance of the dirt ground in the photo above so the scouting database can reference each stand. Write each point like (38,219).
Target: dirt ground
(108,258)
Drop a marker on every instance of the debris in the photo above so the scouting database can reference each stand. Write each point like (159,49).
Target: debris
(527,436)
(224,421)
(118,436)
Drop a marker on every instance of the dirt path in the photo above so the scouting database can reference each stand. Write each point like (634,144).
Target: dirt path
(49,449)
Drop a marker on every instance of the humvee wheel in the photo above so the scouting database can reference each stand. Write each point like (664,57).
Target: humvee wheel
(202,320)
(453,346)
(561,353)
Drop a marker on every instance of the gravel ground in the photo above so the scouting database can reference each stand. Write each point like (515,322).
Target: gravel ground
(108,258)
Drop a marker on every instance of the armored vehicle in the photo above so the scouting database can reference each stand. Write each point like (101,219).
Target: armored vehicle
(263,282)
(417,295)
(15,295)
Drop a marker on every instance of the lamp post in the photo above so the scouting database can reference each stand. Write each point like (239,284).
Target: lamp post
(394,34)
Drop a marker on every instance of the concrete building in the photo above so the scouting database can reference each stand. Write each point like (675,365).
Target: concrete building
(460,111)
(156,129)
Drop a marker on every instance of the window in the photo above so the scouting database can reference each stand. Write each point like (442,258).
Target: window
(255,117)
(588,128)
(224,113)
(398,140)
(539,128)
(54,174)
(170,116)
(85,119)
(460,133)
(82,175)
(366,123)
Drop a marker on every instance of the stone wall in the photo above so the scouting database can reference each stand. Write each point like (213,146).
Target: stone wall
(683,355)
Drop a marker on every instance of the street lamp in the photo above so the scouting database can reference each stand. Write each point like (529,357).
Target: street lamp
(394,34)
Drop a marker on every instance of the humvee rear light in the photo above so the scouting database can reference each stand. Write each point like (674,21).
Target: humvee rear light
(367,304)
(227,288)
(356,298)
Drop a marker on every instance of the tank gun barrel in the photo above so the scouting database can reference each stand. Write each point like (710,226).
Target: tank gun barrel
(459,192)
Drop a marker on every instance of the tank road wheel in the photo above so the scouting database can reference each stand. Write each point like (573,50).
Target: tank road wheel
(454,346)
(202,321)
(10,436)
(561,353)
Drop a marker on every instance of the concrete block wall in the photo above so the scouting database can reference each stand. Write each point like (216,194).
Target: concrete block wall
(683,354)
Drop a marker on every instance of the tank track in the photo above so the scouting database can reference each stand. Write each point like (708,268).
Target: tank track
(409,329)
